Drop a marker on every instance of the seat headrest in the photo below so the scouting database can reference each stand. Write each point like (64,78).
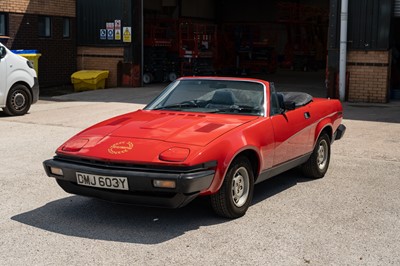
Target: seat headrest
(223,97)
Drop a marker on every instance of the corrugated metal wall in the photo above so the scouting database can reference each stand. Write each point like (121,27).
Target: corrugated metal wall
(334,25)
(369,24)
(92,15)
(396,8)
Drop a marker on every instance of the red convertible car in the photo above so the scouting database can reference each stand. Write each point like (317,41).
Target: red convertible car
(202,136)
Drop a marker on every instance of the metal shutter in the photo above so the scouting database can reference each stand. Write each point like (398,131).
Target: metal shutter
(396,9)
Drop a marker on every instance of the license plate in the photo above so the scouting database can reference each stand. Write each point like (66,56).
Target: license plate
(110,182)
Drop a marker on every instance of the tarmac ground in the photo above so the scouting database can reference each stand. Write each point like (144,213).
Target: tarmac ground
(349,217)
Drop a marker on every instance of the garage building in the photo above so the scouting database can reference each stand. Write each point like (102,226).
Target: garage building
(151,41)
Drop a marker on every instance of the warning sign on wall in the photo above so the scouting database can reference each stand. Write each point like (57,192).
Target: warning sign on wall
(103,34)
(110,34)
(117,34)
(117,24)
(110,25)
(127,34)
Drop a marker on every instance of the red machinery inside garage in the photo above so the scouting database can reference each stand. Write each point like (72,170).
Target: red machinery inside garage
(248,48)
(198,48)
(188,38)
(176,47)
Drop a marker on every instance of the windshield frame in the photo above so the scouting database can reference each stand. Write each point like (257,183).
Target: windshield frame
(163,97)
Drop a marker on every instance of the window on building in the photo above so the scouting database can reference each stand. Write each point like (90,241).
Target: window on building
(3,25)
(66,27)
(44,26)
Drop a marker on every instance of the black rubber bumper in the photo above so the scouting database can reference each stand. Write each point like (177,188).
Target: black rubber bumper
(340,132)
(141,190)
(35,91)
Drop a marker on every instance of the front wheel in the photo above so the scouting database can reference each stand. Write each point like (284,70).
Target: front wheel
(236,193)
(318,163)
(18,100)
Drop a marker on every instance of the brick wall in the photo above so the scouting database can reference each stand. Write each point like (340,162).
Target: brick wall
(58,60)
(63,8)
(369,76)
(58,54)
(101,58)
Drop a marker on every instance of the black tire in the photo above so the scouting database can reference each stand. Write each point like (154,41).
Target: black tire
(19,100)
(318,163)
(148,78)
(172,76)
(236,193)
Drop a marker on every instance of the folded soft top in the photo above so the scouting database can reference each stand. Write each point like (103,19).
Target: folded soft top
(299,98)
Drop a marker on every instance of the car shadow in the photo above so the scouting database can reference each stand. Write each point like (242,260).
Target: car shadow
(4,115)
(277,184)
(95,219)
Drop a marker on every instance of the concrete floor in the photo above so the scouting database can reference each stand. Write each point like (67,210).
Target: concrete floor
(349,217)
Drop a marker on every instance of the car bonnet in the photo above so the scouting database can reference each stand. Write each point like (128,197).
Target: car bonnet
(179,127)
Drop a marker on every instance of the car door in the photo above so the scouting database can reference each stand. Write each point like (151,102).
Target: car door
(291,132)
(3,74)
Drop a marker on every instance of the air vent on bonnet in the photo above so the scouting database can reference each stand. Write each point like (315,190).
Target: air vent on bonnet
(181,114)
(210,127)
(205,129)
(118,121)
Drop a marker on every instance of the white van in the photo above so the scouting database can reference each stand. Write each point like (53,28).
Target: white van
(19,86)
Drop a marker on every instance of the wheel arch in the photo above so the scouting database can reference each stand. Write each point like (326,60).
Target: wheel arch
(24,84)
(234,198)
(253,158)
(324,126)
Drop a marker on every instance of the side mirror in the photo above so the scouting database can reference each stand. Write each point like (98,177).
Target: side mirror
(289,105)
(2,52)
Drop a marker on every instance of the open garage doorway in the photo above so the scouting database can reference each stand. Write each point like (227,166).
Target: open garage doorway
(280,41)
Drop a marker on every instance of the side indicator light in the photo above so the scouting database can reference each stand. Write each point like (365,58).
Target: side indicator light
(56,171)
(164,183)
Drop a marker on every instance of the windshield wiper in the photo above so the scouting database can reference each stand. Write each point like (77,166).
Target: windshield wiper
(240,109)
(178,105)
(244,108)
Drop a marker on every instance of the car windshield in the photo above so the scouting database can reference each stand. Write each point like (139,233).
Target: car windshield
(212,96)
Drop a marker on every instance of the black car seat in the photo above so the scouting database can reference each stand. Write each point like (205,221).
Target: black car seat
(221,99)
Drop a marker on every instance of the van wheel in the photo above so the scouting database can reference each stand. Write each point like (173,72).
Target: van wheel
(18,100)
(234,197)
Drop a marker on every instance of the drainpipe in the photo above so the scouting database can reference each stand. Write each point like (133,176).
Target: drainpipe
(141,43)
(343,50)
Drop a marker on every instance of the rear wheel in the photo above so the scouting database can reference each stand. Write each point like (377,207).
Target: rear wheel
(18,100)
(318,163)
(236,193)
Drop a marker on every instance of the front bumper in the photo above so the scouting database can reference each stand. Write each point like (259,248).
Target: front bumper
(189,182)
(35,91)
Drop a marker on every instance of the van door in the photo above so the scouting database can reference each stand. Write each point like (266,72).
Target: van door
(3,74)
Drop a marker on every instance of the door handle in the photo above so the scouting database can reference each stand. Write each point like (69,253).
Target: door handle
(307,115)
